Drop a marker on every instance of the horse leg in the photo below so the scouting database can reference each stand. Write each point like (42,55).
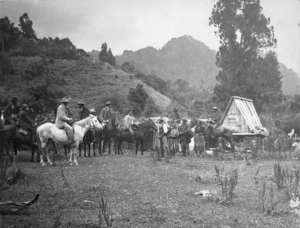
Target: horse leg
(109,146)
(75,155)
(79,149)
(42,149)
(70,159)
(136,147)
(89,149)
(32,153)
(142,147)
(94,148)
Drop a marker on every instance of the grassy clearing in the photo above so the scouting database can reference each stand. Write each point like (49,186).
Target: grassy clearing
(141,192)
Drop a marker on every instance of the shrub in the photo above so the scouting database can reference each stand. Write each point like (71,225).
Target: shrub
(227,182)
(5,66)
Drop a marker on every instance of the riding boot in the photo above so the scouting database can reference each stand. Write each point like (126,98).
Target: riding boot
(70,135)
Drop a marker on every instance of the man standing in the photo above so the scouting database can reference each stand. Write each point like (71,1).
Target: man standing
(183,136)
(163,139)
(83,111)
(63,120)
(128,121)
(216,116)
(25,122)
(106,113)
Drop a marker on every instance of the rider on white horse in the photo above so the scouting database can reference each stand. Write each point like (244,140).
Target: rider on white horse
(62,119)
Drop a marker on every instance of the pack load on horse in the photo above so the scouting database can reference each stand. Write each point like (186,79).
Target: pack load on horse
(57,133)
(141,135)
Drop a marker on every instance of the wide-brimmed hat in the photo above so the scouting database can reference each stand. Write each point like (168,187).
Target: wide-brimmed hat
(215,108)
(130,110)
(108,103)
(23,106)
(211,121)
(92,110)
(161,120)
(81,102)
(64,100)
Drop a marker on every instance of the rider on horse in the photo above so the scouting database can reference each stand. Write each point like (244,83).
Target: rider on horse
(25,122)
(12,111)
(128,122)
(106,113)
(63,120)
(216,117)
(83,111)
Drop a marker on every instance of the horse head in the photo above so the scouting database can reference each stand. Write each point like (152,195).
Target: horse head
(152,125)
(95,123)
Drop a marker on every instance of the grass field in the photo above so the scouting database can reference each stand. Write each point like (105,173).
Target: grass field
(141,192)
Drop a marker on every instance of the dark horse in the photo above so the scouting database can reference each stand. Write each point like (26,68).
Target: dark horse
(88,139)
(141,133)
(214,134)
(109,132)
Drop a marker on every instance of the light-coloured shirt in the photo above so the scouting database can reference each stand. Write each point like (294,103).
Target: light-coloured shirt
(164,127)
(128,121)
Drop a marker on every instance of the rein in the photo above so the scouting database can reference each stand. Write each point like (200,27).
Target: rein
(93,125)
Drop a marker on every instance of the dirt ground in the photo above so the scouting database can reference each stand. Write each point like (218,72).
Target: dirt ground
(141,192)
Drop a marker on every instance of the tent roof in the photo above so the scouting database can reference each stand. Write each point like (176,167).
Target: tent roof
(247,110)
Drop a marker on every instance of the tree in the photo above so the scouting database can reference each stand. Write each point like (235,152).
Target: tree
(244,32)
(9,34)
(127,67)
(26,27)
(107,56)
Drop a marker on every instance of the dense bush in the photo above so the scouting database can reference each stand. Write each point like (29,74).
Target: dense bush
(5,66)
(137,97)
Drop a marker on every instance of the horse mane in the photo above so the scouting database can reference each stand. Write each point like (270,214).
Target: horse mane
(81,122)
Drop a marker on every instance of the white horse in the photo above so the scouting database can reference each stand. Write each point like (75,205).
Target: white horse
(50,131)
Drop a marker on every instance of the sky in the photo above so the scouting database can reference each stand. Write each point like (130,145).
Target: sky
(136,24)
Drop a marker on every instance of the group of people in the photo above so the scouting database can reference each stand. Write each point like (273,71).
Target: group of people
(179,132)
(63,119)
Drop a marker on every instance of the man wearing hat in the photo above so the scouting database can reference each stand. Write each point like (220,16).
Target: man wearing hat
(25,122)
(12,110)
(106,113)
(216,116)
(163,139)
(63,120)
(128,121)
(184,136)
(83,111)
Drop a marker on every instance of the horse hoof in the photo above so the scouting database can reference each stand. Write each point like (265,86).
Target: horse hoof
(43,164)
(31,160)
(51,164)
(70,163)
(76,164)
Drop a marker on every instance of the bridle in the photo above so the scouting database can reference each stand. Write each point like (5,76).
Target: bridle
(92,123)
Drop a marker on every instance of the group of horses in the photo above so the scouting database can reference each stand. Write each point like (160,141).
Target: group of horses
(49,136)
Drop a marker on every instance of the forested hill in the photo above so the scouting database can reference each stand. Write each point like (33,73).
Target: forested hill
(191,60)
(49,80)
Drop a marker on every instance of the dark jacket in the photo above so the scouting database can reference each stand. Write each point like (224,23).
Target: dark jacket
(25,122)
(83,113)
(105,114)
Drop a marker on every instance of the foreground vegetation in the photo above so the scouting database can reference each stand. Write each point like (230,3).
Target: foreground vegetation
(137,191)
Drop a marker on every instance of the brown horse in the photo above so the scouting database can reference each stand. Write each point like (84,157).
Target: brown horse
(109,132)
(214,133)
(141,133)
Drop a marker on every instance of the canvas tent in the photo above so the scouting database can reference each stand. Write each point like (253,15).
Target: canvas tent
(240,116)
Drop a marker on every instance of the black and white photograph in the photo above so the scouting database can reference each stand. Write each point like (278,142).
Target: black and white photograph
(149,113)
